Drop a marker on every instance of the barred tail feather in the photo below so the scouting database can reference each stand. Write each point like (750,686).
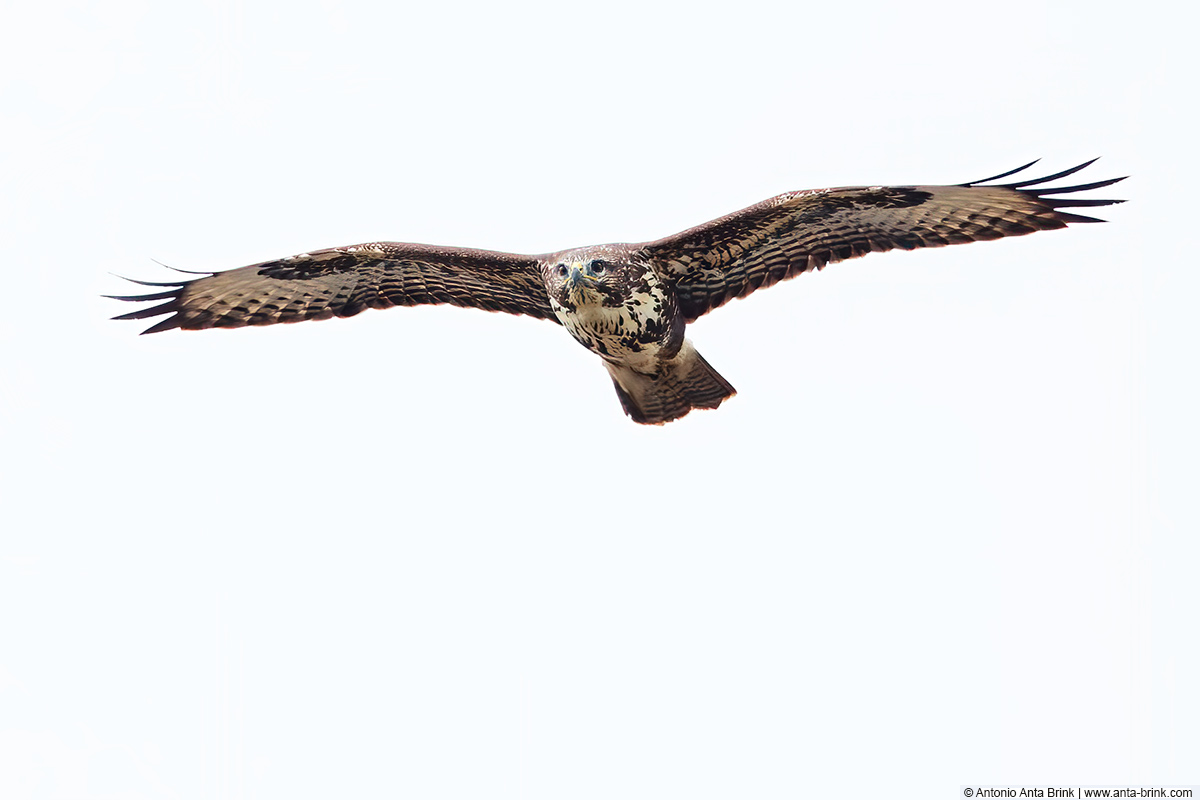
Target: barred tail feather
(681,384)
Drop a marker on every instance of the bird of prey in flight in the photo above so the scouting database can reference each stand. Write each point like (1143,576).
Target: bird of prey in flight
(629,303)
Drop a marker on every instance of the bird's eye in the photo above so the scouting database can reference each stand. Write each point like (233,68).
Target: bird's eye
(561,270)
(599,267)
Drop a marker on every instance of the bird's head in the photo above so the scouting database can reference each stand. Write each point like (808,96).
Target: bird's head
(585,277)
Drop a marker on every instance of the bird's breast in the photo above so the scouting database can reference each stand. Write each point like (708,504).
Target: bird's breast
(640,330)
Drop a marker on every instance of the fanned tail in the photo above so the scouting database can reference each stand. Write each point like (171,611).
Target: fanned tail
(681,384)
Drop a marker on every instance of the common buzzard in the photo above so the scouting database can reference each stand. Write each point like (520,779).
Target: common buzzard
(628,303)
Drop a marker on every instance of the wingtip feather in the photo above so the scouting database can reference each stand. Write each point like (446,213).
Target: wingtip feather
(1054,177)
(142,298)
(1002,174)
(1080,187)
(143,313)
(1034,188)
(170,323)
(184,271)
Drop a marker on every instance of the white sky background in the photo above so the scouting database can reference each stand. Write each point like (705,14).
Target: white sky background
(944,534)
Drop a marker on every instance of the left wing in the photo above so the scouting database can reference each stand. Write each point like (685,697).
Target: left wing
(343,281)
(800,231)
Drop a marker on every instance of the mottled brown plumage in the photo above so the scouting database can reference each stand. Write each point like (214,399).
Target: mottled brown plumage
(343,281)
(628,303)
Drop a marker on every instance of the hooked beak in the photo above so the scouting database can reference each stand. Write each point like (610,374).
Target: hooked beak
(581,287)
(578,277)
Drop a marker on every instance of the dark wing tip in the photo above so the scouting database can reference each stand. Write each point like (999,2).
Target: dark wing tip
(170,307)
(184,271)
(1054,177)
(151,283)
(172,295)
(1073,218)
(1079,187)
(142,298)
(1001,175)
(1036,188)
(167,324)
(1031,181)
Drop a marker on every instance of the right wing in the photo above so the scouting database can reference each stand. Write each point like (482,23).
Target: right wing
(342,281)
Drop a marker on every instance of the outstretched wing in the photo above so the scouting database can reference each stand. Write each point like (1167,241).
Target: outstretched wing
(800,231)
(342,281)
